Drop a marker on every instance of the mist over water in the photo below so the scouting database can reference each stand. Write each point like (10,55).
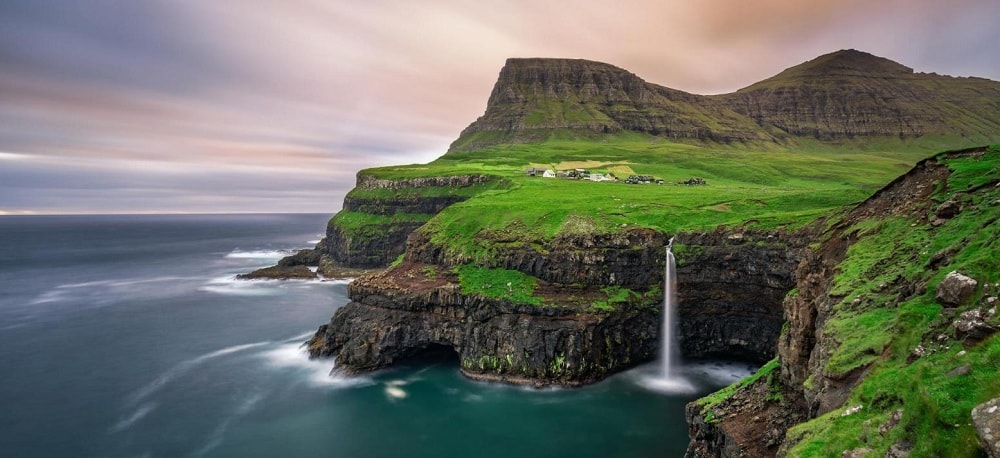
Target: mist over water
(129,336)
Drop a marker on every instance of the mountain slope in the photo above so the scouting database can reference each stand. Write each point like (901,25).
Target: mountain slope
(845,95)
(850,94)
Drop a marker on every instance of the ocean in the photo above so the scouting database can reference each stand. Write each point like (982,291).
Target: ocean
(128,336)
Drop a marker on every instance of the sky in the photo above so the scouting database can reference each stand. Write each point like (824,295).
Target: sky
(191,106)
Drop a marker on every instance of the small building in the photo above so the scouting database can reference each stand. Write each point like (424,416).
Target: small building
(548,174)
(598,177)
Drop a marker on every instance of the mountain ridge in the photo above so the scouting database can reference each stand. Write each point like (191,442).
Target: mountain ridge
(841,96)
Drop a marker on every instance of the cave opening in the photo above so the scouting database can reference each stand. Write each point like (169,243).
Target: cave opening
(432,354)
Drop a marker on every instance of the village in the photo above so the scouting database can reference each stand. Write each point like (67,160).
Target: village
(584,174)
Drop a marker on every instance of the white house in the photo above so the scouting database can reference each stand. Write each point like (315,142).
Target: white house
(549,174)
(598,177)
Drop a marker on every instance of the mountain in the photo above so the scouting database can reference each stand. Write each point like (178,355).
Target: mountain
(845,95)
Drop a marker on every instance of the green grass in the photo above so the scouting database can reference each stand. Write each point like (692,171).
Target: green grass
(771,188)
(880,335)
(498,283)
(714,399)
(367,225)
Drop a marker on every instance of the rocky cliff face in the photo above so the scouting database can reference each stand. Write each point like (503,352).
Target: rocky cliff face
(733,283)
(626,259)
(404,312)
(379,240)
(839,96)
(812,377)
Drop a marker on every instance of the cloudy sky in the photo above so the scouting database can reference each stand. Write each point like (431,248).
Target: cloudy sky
(120,106)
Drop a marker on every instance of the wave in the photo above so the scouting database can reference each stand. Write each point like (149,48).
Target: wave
(97,292)
(139,414)
(230,285)
(183,368)
(258,254)
(262,287)
(219,433)
(122,282)
(295,356)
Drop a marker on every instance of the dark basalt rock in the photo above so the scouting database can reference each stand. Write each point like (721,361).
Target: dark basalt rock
(280,273)
(398,315)
(301,258)
(731,284)
(633,259)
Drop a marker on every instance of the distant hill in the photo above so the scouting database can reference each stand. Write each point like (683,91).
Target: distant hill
(847,95)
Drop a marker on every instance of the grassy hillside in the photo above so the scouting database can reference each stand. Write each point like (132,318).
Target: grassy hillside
(767,186)
(935,402)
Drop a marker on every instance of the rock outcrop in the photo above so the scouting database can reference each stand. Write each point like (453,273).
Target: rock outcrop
(377,217)
(404,312)
(730,306)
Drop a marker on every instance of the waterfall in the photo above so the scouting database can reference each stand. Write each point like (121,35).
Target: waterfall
(669,301)
(669,378)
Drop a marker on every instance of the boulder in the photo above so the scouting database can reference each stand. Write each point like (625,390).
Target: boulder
(955,289)
(972,326)
(947,210)
(986,419)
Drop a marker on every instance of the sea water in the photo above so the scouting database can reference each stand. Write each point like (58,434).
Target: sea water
(129,336)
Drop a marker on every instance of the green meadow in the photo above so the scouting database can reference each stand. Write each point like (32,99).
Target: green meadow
(763,186)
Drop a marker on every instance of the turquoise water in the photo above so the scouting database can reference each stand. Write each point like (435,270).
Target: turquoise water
(128,336)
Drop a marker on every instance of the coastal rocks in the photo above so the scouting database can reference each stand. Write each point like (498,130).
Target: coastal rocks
(986,419)
(297,272)
(955,289)
(402,313)
(731,282)
(301,258)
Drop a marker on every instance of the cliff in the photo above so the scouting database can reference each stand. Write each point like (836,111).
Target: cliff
(377,217)
(836,97)
(880,354)
(593,307)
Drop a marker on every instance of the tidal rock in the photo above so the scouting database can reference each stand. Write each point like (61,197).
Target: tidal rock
(955,289)
(279,273)
(301,258)
(986,419)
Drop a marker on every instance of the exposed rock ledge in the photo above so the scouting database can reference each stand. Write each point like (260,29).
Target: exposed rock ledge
(403,313)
